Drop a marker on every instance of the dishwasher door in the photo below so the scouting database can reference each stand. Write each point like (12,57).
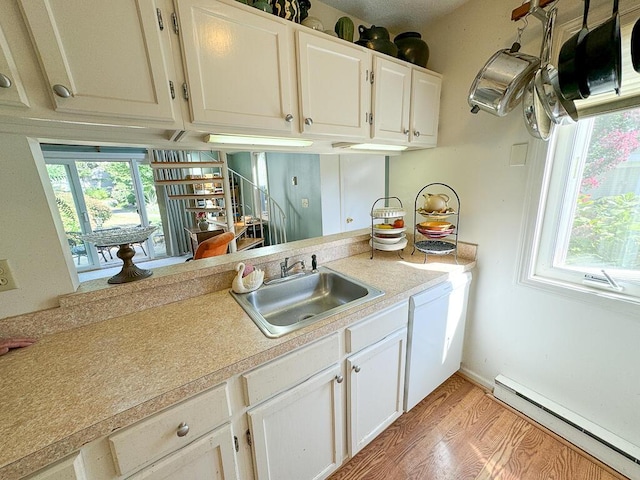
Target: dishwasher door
(436,333)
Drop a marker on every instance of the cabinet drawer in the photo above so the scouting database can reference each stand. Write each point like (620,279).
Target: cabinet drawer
(157,436)
(71,468)
(376,327)
(293,368)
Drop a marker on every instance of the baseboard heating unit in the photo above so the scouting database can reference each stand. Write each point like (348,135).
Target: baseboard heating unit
(612,450)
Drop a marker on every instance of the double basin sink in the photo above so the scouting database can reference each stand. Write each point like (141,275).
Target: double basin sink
(295,302)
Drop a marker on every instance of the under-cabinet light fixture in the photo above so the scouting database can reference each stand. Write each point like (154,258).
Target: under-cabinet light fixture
(226,139)
(370,147)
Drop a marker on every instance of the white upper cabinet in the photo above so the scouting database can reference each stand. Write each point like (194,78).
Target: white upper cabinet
(335,89)
(238,66)
(12,93)
(425,108)
(391,100)
(103,58)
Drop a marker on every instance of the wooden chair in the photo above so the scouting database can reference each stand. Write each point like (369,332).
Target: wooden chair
(214,246)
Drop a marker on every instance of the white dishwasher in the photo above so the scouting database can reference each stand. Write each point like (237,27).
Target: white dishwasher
(436,333)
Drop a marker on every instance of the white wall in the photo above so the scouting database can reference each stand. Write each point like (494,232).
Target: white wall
(28,235)
(581,356)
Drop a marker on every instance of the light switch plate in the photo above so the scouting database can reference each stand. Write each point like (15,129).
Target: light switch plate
(518,155)
(6,278)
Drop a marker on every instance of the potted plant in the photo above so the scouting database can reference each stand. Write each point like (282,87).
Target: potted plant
(201,220)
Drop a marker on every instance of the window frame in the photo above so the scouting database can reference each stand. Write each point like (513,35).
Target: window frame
(536,268)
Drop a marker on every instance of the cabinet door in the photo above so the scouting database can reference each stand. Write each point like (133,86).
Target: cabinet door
(12,93)
(298,434)
(376,389)
(391,100)
(425,108)
(208,458)
(238,66)
(108,57)
(335,88)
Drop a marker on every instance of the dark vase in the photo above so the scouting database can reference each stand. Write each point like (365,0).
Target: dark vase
(287,9)
(412,48)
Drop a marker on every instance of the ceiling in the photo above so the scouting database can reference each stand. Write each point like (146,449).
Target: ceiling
(398,15)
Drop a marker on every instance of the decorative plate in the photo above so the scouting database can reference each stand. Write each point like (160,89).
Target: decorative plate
(396,246)
(386,231)
(389,240)
(388,212)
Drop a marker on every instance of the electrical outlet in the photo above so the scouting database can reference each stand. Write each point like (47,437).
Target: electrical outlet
(6,279)
(305,203)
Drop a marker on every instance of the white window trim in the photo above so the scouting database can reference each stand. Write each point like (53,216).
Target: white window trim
(540,161)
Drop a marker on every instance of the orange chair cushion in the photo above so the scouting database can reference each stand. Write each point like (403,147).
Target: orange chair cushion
(214,246)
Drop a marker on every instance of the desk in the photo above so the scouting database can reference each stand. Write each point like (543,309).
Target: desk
(198,236)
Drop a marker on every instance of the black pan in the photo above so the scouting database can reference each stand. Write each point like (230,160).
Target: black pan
(601,63)
(569,77)
(635,46)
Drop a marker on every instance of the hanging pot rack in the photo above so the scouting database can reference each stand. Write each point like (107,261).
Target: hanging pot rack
(531,7)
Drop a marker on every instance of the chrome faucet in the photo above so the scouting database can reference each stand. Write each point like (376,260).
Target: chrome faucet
(285,267)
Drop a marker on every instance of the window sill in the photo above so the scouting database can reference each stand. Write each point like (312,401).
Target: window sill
(608,300)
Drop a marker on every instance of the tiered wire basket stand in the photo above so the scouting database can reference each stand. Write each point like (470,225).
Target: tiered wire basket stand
(436,232)
(384,235)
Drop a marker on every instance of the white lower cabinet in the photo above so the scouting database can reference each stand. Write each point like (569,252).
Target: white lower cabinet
(208,458)
(376,388)
(298,434)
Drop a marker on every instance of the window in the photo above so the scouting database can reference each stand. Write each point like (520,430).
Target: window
(589,226)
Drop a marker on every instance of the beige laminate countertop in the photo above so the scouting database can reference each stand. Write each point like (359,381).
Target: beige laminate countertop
(78,385)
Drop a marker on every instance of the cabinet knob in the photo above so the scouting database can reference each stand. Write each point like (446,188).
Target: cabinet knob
(61,91)
(5,82)
(349,219)
(416,133)
(183,429)
(406,131)
(308,121)
(356,368)
(339,378)
(288,118)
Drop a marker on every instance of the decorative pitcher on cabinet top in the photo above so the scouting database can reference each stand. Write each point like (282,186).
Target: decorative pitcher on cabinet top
(287,9)
(436,202)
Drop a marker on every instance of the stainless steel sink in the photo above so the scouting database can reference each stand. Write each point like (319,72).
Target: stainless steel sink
(284,306)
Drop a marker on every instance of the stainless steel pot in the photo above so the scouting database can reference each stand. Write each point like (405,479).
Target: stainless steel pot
(499,85)
(557,108)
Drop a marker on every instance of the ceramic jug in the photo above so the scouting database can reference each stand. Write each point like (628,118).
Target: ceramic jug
(436,202)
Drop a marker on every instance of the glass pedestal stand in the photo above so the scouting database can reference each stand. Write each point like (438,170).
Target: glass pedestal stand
(123,238)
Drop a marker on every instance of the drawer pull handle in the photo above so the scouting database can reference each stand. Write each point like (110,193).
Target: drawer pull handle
(356,368)
(5,82)
(183,429)
(339,378)
(61,91)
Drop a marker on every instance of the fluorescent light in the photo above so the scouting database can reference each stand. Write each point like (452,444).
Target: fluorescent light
(371,146)
(253,140)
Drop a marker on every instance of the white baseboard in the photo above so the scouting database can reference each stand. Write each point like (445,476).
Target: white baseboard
(610,449)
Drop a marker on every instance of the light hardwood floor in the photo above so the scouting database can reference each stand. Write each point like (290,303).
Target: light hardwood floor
(460,432)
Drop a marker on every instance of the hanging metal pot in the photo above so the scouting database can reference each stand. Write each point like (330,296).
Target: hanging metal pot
(570,79)
(499,85)
(602,56)
(557,107)
(538,123)
(635,46)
